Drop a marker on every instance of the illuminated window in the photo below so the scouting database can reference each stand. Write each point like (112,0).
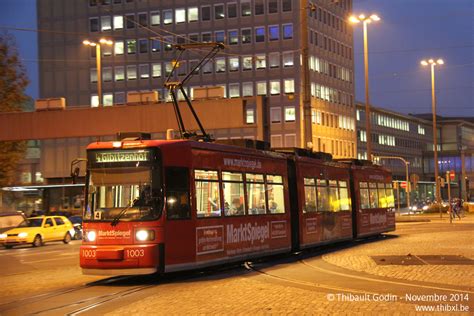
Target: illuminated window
(155,18)
(106,23)
(276,196)
(290,114)
(108,99)
(260,61)
(220,65)
(233,64)
(274,60)
(247,63)
(287,31)
(274,32)
(156,70)
(262,88)
(288,59)
(260,34)
(250,116)
(180,16)
(131,72)
(207,193)
(256,193)
(167,17)
(289,85)
(94,101)
(131,46)
(144,71)
(233,37)
(247,89)
(155,45)
(246,36)
(309,196)
(233,192)
(193,14)
(245,8)
(118,22)
(275,87)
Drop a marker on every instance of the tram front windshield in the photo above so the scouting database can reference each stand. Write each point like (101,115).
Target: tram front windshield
(125,191)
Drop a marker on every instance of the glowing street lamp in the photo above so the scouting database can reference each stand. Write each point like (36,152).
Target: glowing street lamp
(102,41)
(365,21)
(433,63)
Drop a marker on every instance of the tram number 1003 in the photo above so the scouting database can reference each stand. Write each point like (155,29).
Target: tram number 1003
(135,253)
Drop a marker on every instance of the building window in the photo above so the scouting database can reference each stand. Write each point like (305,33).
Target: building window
(234,90)
(219,36)
(206,13)
(259,7)
(207,68)
(290,114)
(94,24)
(131,72)
(260,34)
(262,88)
(247,63)
(167,17)
(118,48)
(289,85)
(288,59)
(290,140)
(247,89)
(250,116)
(131,46)
(275,87)
(168,40)
(232,10)
(94,101)
(275,115)
(193,14)
(220,65)
(105,23)
(156,70)
(246,36)
(108,99)
(118,22)
(219,12)
(155,45)
(143,45)
(119,73)
(206,37)
(276,141)
(143,19)
(287,31)
(421,130)
(286,5)
(155,18)
(272,6)
(180,16)
(233,37)
(274,60)
(233,64)
(144,71)
(274,32)
(260,61)
(119,97)
(245,8)
(93,75)
(130,18)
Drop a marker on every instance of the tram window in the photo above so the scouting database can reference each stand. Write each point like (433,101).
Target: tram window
(382,195)
(233,188)
(374,200)
(276,197)
(333,196)
(323,196)
(177,193)
(256,193)
(390,197)
(208,202)
(345,202)
(364,195)
(309,196)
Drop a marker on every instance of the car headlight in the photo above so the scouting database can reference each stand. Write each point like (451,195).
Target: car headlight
(425,207)
(3,236)
(91,235)
(22,235)
(143,235)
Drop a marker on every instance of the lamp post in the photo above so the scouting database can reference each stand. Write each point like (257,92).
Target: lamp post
(365,21)
(433,63)
(97,45)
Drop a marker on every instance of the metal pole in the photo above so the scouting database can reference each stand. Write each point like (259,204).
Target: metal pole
(435,139)
(367,101)
(449,197)
(99,73)
(408,184)
(305,107)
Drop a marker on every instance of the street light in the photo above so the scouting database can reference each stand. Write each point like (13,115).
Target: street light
(433,63)
(365,21)
(97,45)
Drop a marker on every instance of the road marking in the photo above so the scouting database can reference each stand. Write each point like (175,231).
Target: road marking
(52,259)
(386,281)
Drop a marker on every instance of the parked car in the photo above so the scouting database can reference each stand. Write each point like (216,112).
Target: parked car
(9,220)
(76,221)
(38,230)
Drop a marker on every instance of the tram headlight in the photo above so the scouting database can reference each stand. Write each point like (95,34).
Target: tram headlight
(91,235)
(144,235)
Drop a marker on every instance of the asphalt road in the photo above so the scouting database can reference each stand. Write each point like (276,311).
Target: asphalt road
(47,280)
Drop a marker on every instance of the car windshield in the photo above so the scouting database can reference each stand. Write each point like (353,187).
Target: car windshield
(111,190)
(31,222)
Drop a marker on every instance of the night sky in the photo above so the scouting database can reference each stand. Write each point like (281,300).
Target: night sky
(410,30)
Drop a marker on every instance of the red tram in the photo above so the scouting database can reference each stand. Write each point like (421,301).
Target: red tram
(170,205)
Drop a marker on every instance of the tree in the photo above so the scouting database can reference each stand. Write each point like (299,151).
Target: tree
(13,81)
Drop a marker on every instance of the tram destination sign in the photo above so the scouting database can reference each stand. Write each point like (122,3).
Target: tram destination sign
(122,156)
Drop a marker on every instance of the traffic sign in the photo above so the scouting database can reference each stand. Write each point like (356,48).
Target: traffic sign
(403,184)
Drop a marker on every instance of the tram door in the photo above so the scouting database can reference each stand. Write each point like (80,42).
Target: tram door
(179,228)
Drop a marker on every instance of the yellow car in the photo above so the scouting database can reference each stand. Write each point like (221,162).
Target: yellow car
(37,230)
